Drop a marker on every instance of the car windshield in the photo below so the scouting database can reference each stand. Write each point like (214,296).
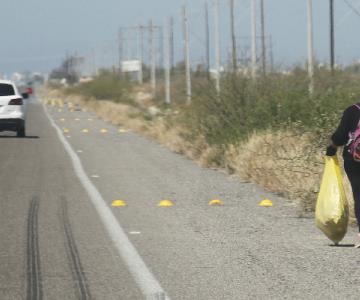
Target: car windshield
(6,90)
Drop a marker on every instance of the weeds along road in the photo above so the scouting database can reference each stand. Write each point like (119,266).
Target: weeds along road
(61,238)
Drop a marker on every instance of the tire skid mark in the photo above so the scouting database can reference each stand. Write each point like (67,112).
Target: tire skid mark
(73,255)
(33,270)
(142,275)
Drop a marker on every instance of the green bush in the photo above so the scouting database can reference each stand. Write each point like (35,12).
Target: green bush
(275,101)
(106,86)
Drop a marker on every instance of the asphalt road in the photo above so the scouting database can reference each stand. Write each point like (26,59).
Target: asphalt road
(59,242)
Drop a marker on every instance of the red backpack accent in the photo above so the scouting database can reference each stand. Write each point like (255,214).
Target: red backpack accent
(354,141)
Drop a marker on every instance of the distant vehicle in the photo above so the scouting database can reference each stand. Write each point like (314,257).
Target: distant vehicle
(12,108)
(25,88)
(29,90)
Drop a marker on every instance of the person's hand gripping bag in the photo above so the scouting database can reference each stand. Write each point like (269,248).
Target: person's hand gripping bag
(332,209)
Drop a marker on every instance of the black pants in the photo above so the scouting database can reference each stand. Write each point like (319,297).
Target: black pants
(352,170)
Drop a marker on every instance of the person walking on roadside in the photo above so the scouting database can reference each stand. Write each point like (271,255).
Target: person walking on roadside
(347,134)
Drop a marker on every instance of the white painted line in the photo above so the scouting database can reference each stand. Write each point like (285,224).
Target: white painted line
(68,136)
(134,232)
(146,281)
(95,176)
(79,151)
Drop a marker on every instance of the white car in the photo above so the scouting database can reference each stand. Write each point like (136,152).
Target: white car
(12,108)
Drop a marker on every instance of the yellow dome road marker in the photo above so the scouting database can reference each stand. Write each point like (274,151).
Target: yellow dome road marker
(85,130)
(103,130)
(216,202)
(65,130)
(266,203)
(122,130)
(166,203)
(118,203)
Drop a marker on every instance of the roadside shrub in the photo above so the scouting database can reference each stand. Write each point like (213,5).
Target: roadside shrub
(106,86)
(277,101)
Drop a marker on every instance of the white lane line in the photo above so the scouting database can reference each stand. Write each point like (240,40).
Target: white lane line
(135,232)
(146,281)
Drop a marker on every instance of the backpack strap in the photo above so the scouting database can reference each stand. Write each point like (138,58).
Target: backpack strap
(358,107)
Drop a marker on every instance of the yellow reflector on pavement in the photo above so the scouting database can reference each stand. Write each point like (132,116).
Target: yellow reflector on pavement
(216,202)
(118,203)
(266,203)
(166,203)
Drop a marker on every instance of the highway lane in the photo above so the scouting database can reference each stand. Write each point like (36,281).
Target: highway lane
(238,251)
(48,228)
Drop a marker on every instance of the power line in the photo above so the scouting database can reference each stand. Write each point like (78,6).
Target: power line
(352,8)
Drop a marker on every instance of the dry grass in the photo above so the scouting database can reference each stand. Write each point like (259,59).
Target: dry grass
(285,163)
(280,162)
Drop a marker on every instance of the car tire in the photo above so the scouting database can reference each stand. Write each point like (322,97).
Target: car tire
(20,132)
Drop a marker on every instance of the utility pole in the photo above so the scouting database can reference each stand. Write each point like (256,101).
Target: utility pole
(263,41)
(217,45)
(167,53)
(332,37)
(152,58)
(233,36)
(121,50)
(271,54)
(141,49)
(139,52)
(207,35)
(128,45)
(253,38)
(160,44)
(172,56)
(310,36)
(187,55)
(96,68)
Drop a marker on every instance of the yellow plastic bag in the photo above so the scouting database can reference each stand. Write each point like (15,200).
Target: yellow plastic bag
(332,209)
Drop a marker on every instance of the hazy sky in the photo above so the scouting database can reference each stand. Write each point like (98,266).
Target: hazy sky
(36,34)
